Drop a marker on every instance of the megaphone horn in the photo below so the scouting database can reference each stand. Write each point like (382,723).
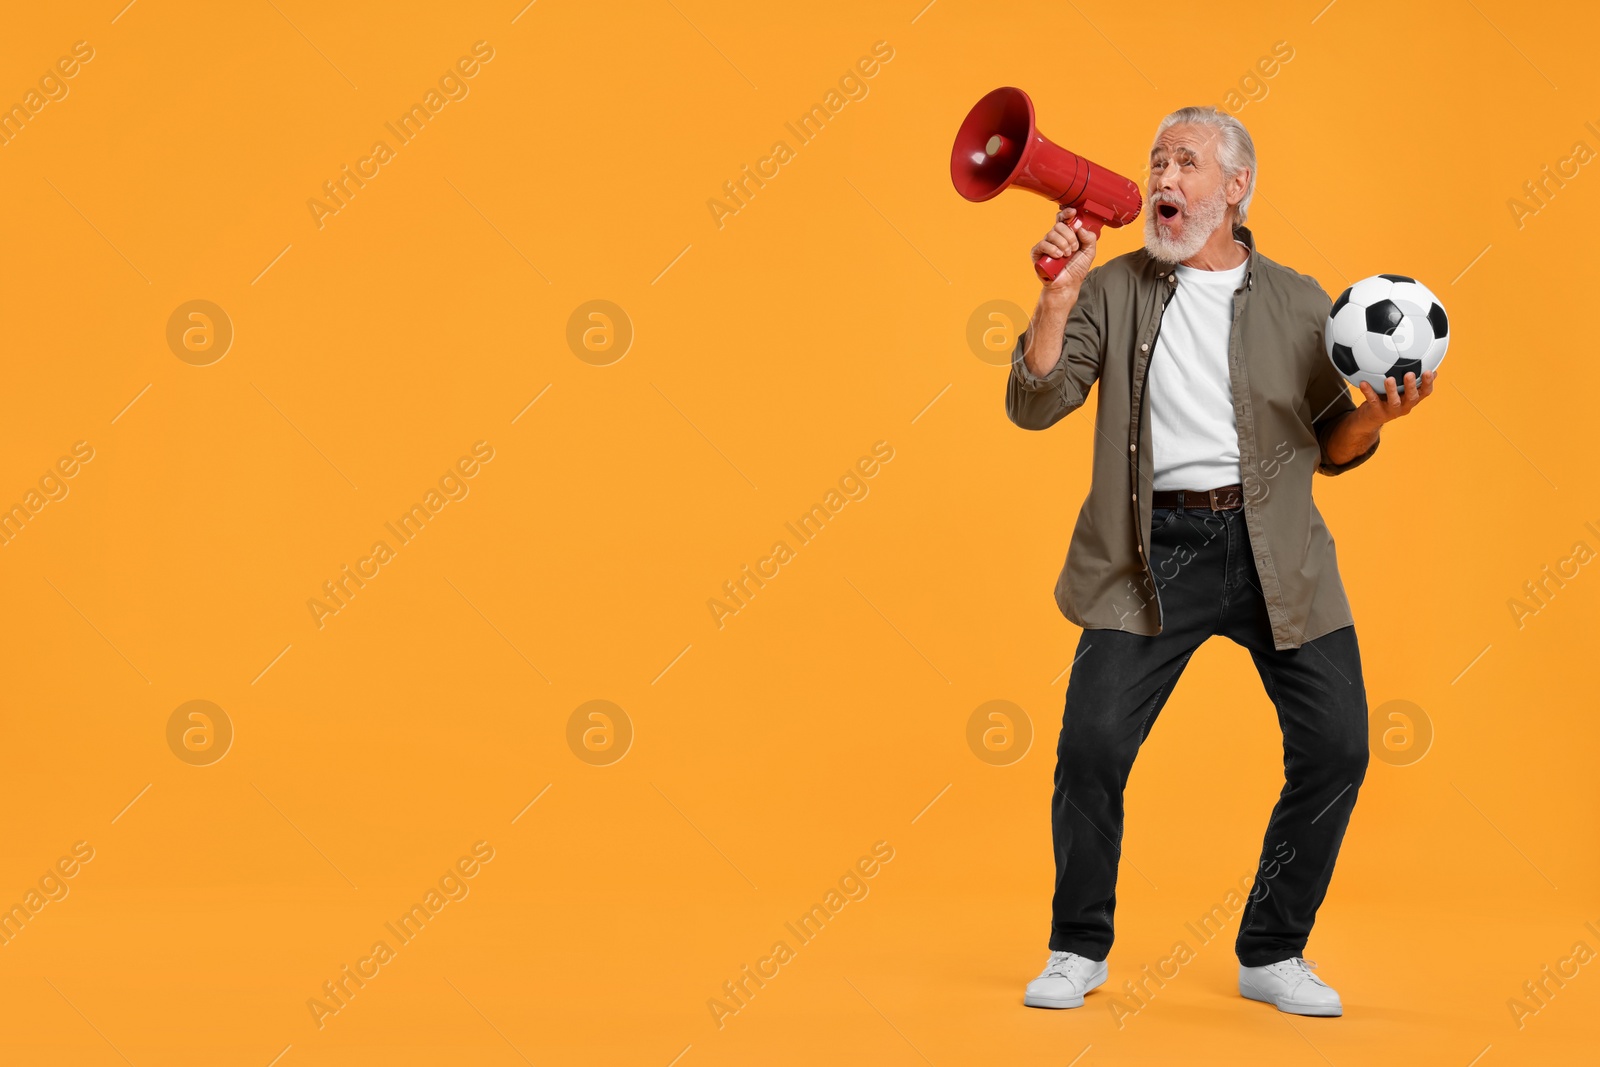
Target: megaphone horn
(999,147)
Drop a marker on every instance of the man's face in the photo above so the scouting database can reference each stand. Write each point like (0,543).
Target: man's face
(1188,192)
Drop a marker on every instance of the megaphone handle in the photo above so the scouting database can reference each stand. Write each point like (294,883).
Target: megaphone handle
(1048,268)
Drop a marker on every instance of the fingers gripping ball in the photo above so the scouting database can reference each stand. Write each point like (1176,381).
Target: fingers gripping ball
(1383,326)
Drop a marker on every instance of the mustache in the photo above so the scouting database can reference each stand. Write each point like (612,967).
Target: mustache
(1165,197)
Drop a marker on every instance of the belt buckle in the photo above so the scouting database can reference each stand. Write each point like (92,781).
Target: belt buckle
(1212,494)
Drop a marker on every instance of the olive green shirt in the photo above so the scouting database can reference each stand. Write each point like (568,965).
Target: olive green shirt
(1287,396)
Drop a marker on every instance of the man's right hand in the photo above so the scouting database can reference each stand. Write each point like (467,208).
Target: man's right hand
(1067,240)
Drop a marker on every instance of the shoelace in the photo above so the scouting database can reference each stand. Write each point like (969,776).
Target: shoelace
(1063,964)
(1304,969)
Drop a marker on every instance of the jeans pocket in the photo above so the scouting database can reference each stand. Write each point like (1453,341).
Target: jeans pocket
(1161,518)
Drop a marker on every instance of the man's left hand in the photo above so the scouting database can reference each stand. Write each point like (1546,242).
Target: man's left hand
(1378,410)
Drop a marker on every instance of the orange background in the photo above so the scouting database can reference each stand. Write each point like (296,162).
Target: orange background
(768,355)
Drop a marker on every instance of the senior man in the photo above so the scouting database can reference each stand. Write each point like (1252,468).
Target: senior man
(1217,403)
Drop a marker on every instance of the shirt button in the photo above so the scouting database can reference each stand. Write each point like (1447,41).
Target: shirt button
(1141,549)
(1133,448)
(1144,348)
(1136,498)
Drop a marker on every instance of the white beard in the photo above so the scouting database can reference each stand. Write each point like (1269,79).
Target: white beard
(1204,216)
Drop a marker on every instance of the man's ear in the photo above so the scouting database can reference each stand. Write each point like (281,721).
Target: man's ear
(1237,185)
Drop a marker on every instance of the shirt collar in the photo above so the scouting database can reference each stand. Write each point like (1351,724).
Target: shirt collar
(1243,235)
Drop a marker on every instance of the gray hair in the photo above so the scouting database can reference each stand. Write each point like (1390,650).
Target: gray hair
(1235,150)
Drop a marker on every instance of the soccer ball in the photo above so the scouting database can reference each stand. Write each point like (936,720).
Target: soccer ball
(1382,327)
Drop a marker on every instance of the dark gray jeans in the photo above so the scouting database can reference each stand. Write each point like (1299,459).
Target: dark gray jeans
(1206,579)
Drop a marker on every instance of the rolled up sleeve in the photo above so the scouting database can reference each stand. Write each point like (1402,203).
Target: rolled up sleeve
(1037,403)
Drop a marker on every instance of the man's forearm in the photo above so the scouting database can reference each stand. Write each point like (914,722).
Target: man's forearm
(1048,326)
(1351,436)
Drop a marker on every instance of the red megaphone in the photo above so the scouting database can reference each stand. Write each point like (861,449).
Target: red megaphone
(998,147)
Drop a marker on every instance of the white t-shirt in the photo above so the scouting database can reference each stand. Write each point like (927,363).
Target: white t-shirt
(1192,432)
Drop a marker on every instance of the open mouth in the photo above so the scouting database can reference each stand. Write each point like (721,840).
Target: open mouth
(1167,211)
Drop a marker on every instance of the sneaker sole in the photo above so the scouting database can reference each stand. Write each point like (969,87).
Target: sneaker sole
(1032,1000)
(1290,1008)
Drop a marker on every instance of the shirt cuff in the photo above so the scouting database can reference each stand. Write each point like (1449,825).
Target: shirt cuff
(1325,467)
(1030,381)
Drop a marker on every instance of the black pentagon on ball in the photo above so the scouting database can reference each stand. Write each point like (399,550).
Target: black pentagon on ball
(1397,277)
(1344,298)
(1398,373)
(1384,317)
(1345,359)
(1436,319)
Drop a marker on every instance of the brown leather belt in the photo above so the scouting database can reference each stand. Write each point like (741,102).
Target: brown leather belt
(1222,498)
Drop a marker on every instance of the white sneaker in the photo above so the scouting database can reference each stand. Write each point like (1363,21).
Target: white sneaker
(1064,981)
(1291,986)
